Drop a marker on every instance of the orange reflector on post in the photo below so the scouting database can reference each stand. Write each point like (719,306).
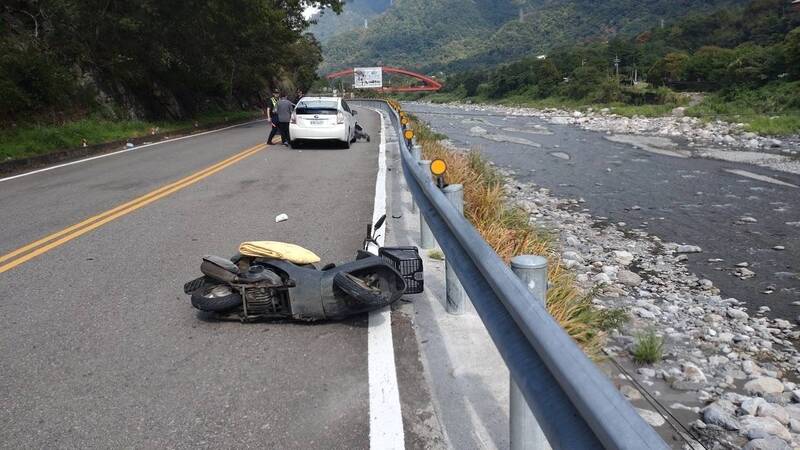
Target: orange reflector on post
(404,121)
(438,167)
(408,134)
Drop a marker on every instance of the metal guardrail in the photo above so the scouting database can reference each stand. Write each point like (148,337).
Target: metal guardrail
(575,404)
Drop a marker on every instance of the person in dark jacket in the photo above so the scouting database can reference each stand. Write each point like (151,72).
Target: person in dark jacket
(284,109)
(272,116)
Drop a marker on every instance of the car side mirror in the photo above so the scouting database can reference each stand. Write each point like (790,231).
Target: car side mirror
(355,113)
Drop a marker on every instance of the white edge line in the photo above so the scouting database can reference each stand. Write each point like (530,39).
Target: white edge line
(385,417)
(33,172)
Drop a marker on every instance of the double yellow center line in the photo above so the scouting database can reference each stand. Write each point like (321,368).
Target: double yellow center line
(47,243)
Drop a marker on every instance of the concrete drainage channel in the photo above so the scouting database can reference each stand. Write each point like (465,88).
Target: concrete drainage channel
(558,397)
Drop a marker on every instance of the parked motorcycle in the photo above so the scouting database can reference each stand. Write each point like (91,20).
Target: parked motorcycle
(251,288)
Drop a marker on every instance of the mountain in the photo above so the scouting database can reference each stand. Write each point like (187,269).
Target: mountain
(432,35)
(329,24)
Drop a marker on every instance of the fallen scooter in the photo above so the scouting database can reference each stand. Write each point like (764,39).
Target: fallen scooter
(252,288)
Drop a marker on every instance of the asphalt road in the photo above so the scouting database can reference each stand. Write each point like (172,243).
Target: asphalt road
(693,201)
(100,347)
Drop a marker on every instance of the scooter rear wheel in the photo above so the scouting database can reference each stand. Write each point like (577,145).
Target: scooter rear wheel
(216,298)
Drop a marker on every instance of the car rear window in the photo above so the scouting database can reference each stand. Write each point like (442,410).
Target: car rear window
(317,107)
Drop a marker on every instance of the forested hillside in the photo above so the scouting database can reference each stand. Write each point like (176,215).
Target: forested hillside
(65,59)
(352,17)
(445,35)
(747,56)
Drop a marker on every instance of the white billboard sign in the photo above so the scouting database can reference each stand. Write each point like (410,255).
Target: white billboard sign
(368,77)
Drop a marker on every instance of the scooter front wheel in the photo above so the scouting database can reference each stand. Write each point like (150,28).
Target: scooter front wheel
(359,290)
(216,298)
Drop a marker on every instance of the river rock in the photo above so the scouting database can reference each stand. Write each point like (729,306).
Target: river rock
(632,394)
(693,373)
(794,411)
(688,249)
(769,443)
(602,279)
(652,418)
(629,278)
(737,314)
(750,406)
(783,324)
(623,257)
(764,386)
(774,411)
(744,273)
(763,427)
(721,413)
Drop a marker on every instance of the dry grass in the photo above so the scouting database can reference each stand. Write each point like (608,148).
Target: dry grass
(509,232)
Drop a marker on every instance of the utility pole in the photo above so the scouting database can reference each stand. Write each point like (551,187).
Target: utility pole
(616,66)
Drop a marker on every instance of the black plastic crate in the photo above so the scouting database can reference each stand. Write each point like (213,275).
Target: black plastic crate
(407,261)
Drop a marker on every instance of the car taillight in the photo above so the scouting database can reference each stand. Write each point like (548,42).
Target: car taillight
(294,118)
(340,117)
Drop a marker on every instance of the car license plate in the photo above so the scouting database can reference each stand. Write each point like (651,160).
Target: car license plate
(317,122)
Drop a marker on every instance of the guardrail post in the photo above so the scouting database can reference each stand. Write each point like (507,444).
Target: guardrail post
(456,297)
(426,239)
(525,432)
(416,155)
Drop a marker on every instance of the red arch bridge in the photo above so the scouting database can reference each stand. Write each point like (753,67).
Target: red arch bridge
(429,83)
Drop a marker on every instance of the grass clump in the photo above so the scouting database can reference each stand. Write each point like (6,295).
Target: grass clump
(508,231)
(613,318)
(436,254)
(648,348)
(31,140)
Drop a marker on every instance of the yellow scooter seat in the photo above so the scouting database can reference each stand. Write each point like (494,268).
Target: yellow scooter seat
(278,250)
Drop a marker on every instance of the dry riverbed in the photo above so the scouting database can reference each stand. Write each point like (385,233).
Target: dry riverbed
(729,373)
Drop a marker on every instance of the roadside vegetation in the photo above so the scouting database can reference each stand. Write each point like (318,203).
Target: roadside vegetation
(746,59)
(508,230)
(101,70)
(33,140)
(648,348)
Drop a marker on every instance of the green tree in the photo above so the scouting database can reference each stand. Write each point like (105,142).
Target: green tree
(710,65)
(791,45)
(154,58)
(584,81)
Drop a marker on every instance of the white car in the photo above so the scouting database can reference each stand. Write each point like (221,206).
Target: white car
(322,118)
